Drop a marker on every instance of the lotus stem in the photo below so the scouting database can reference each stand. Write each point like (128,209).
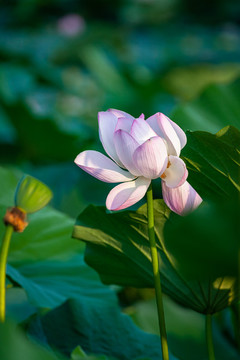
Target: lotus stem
(3,263)
(238,304)
(209,337)
(156,274)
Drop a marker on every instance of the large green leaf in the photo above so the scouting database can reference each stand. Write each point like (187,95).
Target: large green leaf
(15,345)
(44,259)
(209,236)
(213,163)
(118,248)
(18,306)
(97,329)
(218,106)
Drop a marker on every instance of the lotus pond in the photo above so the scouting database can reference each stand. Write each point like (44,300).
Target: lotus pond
(119,180)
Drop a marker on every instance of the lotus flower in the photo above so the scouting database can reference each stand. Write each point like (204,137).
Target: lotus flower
(140,150)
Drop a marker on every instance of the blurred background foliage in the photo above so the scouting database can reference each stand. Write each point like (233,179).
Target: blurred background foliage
(62,61)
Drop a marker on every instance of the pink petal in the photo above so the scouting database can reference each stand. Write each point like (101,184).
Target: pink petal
(180,133)
(151,158)
(107,123)
(101,167)
(120,113)
(182,199)
(172,139)
(170,131)
(176,173)
(141,131)
(125,146)
(124,123)
(153,122)
(127,194)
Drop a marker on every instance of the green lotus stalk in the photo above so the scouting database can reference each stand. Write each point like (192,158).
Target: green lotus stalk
(209,337)
(31,195)
(237,325)
(235,309)
(14,220)
(156,274)
(235,312)
(3,263)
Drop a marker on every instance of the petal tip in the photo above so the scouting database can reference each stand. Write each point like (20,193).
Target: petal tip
(77,159)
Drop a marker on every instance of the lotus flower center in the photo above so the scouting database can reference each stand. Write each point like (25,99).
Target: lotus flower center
(163,176)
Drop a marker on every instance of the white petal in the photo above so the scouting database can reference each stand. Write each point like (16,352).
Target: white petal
(127,194)
(170,131)
(101,167)
(153,122)
(151,158)
(141,131)
(182,199)
(124,123)
(125,146)
(120,113)
(172,139)
(176,173)
(180,133)
(107,122)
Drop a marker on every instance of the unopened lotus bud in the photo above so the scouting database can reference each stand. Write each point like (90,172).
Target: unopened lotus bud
(31,195)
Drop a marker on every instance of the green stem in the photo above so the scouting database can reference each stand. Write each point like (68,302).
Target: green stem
(209,337)
(156,274)
(238,305)
(3,264)
(235,309)
(236,323)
